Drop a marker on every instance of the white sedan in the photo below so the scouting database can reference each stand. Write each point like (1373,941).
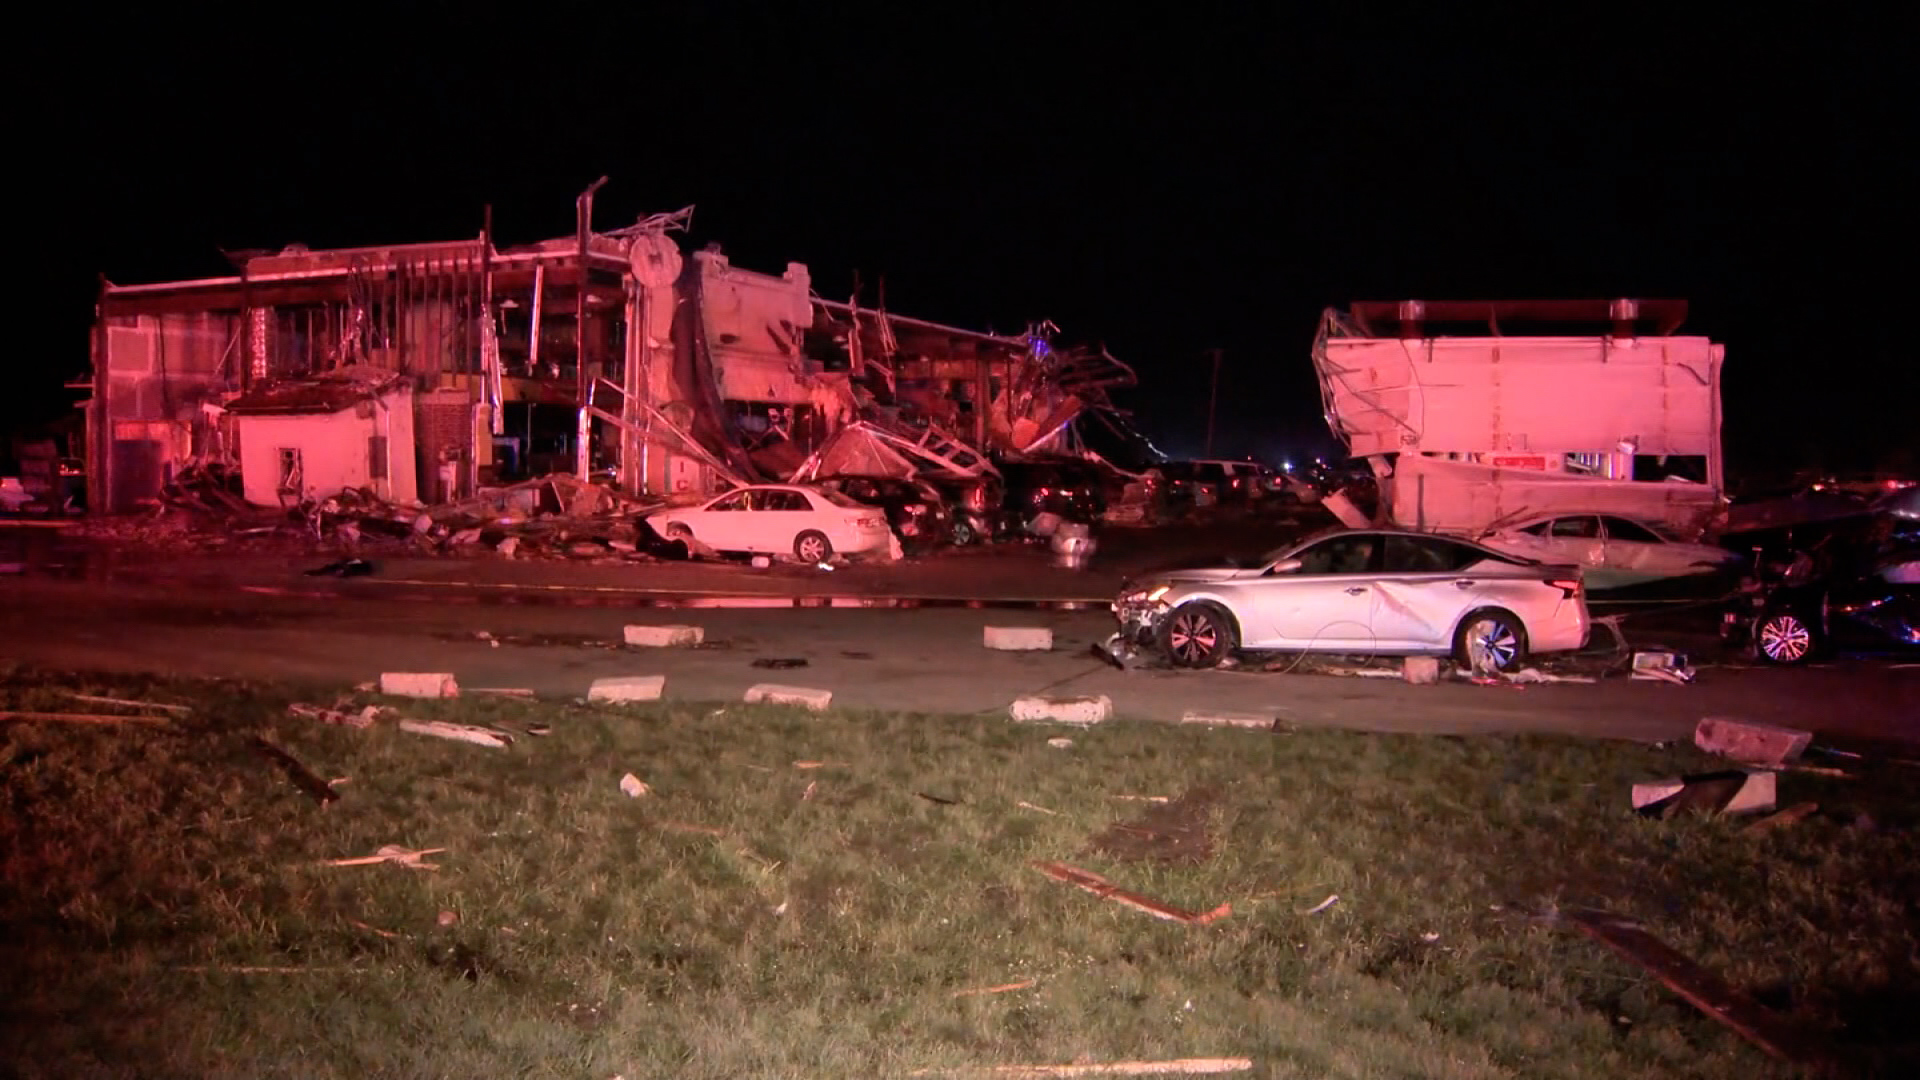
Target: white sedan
(1615,551)
(1376,591)
(808,522)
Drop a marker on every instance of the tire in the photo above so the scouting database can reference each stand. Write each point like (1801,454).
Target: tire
(812,546)
(1491,639)
(1783,637)
(677,531)
(964,533)
(1197,635)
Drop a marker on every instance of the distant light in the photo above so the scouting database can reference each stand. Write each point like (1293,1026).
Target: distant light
(1286,466)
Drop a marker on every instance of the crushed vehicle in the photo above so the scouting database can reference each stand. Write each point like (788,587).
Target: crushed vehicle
(811,524)
(916,512)
(1847,585)
(1616,552)
(1471,412)
(1185,489)
(1069,487)
(1236,483)
(1368,591)
(973,505)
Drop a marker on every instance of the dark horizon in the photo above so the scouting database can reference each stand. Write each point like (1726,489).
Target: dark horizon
(1163,192)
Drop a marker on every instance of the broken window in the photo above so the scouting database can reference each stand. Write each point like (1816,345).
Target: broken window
(1340,555)
(376,457)
(292,478)
(1576,528)
(1427,555)
(1619,528)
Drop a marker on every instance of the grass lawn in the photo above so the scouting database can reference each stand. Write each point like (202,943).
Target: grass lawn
(166,910)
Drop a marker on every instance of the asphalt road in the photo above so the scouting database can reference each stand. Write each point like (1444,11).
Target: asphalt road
(341,633)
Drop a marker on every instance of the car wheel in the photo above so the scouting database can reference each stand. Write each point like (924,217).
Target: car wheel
(677,531)
(1491,640)
(964,533)
(1197,636)
(1783,638)
(812,546)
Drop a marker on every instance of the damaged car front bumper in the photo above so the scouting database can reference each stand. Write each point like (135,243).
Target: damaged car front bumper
(1139,613)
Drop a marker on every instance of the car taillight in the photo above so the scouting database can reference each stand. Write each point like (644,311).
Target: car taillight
(869,522)
(1570,587)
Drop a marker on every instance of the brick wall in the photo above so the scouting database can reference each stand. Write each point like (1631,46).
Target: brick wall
(443,421)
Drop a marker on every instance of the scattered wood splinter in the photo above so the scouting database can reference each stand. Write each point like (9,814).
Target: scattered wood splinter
(98,700)
(1003,988)
(1106,890)
(84,718)
(393,853)
(1038,809)
(1175,1067)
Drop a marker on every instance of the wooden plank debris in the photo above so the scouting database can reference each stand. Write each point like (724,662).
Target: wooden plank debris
(1701,988)
(1091,882)
(1174,1067)
(84,718)
(339,717)
(1003,988)
(441,729)
(302,777)
(393,853)
(1791,815)
(98,700)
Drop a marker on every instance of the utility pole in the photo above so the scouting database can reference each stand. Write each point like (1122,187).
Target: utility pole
(1213,399)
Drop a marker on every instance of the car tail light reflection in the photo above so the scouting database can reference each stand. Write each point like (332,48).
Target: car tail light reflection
(1569,587)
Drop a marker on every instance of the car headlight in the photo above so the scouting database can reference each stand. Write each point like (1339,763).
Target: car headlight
(1146,596)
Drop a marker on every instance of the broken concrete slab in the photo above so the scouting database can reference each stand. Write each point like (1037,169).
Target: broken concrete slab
(420,684)
(804,696)
(1018,638)
(1078,711)
(665,637)
(1732,792)
(623,689)
(1214,718)
(1421,670)
(1750,743)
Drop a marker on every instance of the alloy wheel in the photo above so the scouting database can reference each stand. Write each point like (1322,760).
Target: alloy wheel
(1784,639)
(1492,645)
(1192,637)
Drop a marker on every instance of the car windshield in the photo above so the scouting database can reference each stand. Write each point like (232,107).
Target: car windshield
(838,499)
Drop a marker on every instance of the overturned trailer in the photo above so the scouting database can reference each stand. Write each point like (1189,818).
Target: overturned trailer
(1472,414)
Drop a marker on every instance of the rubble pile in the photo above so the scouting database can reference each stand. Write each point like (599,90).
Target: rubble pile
(553,517)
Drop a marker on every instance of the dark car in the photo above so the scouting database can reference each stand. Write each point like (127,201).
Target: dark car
(1850,585)
(916,512)
(1073,489)
(1185,490)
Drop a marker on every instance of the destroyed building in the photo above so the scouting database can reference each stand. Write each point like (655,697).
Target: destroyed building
(1471,413)
(610,356)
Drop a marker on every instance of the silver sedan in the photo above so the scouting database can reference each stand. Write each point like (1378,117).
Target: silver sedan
(1373,591)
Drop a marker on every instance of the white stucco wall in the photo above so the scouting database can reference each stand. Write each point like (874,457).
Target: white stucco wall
(334,451)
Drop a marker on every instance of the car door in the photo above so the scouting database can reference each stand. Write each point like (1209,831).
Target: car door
(1575,539)
(783,516)
(1632,546)
(1421,591)
(721,525)
(1325,604)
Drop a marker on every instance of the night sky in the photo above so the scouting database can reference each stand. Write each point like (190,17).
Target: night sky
(1164,183)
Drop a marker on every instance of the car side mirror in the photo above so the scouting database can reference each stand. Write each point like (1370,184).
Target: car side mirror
(1285,566)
